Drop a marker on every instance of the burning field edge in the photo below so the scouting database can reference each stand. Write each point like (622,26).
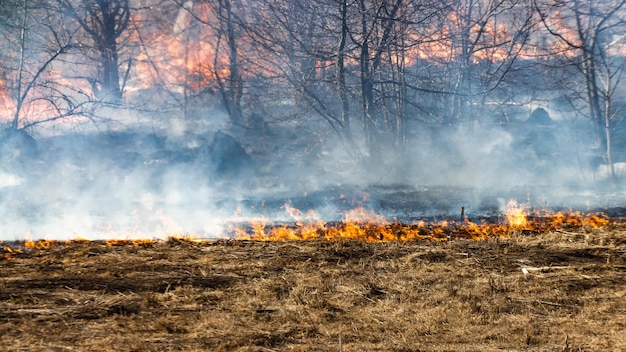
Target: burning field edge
(360,224)
(530,286)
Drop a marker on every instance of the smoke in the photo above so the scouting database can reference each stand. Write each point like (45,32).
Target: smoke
(196,177)
(534,159)
(131,183)
(8,180)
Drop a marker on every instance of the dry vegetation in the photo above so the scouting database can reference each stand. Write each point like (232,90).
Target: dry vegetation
(554,291)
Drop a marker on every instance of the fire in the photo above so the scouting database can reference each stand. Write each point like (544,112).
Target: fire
(186,52)
(306,228)
(8,253)
(363,224)
(41,244)
(358,224)
(134,243)
(516,215)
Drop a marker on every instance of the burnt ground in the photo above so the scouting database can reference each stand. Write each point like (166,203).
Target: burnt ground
(555,291)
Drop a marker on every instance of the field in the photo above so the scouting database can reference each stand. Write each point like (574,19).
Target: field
(549,291)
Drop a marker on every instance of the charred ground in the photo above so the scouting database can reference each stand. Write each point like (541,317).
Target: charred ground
(553,291)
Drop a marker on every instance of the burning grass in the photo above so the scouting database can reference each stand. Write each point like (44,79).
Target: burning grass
(360,224)
(321,295)
(536,289)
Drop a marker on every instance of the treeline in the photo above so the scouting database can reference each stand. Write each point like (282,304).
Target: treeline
(371,70)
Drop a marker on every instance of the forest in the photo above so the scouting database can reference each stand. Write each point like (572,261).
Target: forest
(328,175)
(172,101)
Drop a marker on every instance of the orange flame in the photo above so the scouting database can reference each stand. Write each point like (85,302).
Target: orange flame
(359,224)
(516,215)
(362,224)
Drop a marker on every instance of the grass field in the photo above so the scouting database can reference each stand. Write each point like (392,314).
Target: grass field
(550,291)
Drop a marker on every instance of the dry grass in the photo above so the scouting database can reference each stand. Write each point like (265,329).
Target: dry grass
(322,296)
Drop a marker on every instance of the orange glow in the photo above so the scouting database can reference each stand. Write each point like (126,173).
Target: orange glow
(444,44)
(8,252)
(134,243)
(184,54)
(516,215)
(358,225)
(6,103)
(37,104)
(362,224)
(40,244)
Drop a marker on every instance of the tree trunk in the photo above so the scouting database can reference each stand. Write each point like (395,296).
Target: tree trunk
(369,65)
(607,136)
(111,90)
(18,106)
(235,79)
(367,88)
(341,73)
(231,87)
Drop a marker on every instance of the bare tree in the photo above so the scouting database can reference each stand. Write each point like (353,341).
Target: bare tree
(374,39)
(299,44)
(104,21)
(586,34)
(34,42)
(484,39)
(222,19)
(230,87)
(346,61)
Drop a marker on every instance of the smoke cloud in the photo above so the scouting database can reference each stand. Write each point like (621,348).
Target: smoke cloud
(196,178)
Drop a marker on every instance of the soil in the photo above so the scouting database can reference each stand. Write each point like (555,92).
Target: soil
(549,291)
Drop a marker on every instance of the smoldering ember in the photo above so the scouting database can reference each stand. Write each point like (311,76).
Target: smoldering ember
(479,143)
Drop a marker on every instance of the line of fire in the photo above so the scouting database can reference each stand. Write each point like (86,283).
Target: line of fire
(358,224)
(134,121)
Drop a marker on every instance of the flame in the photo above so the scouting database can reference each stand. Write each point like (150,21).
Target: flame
(40,244)
(180,55)
(9,252)
(516,215)
(126,242)
(363,224)
(358,224)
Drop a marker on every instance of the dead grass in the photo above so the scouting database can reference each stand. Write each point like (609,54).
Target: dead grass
(322,296)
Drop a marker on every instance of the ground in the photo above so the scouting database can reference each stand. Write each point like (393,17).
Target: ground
(550,291)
